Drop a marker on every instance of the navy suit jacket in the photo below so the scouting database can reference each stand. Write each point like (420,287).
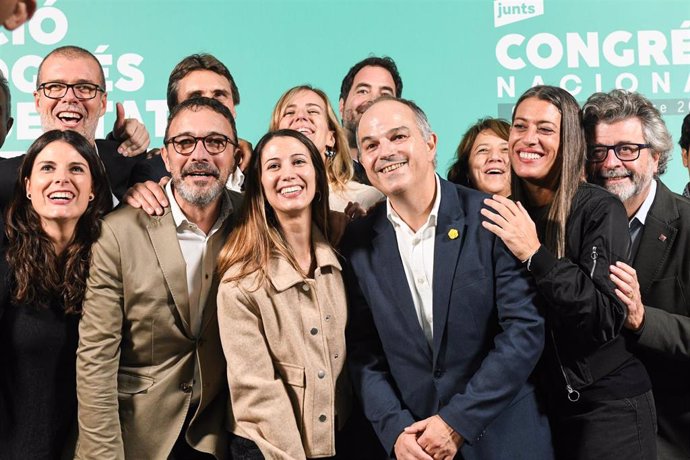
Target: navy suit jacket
(487,334)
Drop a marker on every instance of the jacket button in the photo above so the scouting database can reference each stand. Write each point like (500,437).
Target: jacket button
(314,331)
(321,374)
(322,418)
(186,387)
(305,287)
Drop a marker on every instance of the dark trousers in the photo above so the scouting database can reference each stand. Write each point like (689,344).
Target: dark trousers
(182,450)
(356,441)
(603,430)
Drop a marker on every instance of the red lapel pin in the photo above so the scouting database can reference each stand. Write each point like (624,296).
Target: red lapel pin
(662,237)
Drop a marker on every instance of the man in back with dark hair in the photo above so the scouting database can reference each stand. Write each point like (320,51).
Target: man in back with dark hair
(202,75)
(194,76)
(365,82)
(684,149)
(6,119)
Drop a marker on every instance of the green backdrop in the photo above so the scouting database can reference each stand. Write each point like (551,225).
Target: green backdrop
(459,59)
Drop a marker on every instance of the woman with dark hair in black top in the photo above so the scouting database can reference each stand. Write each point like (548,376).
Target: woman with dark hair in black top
(50,225)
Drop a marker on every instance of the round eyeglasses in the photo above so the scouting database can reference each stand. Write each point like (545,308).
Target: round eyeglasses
(214,144)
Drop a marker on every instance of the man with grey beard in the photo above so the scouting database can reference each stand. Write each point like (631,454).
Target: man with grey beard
(150,368)
(628,149)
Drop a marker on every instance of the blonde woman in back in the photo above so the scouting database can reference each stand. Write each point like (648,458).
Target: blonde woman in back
(307,110)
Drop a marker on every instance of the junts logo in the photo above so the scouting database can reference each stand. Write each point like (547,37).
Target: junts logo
(510,11)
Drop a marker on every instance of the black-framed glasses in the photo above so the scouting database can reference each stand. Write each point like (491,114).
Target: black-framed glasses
(625,151)
(82,91)
(214,144)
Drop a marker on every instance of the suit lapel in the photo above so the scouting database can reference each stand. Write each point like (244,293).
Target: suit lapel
(210,308)
(656,239)
(450,235)
(167,248)
(392,279)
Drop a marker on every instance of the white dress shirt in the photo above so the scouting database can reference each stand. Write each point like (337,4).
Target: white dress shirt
(417,254)
(200,252)
(641,217)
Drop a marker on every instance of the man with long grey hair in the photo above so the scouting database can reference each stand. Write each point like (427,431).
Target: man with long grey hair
(628,149)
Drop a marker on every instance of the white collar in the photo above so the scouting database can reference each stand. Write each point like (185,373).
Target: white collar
(641,213)
(395,219)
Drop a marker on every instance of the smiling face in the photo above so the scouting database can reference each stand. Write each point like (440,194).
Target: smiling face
(69,112)
(306,112)
(397,158)
(370,83)
(489,164)
(60,184)
(629,180)
(205,83)
(199,178)
(288,177)
(534,142)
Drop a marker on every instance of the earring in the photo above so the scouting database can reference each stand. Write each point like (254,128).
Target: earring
(28,195)
(91,196)
(330,153)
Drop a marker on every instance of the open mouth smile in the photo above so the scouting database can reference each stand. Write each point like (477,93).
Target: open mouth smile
(61,196)
(392,167)
(70,118)
(292,190)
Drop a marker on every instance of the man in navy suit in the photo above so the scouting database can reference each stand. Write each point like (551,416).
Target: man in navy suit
(443,330)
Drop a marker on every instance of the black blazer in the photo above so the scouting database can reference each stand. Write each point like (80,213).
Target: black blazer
(663,344)
(123,172)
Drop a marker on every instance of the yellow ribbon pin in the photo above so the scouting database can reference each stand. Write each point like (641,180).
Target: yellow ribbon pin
(453,233)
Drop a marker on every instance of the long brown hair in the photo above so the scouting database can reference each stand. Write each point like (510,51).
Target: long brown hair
(38,273)
(570,161)
(339,167)
(258,234)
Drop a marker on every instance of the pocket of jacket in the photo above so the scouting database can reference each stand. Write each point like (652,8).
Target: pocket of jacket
(292,375)
(295,379)
(132,384)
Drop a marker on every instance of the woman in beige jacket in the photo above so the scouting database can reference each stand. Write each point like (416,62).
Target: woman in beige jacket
(282,308)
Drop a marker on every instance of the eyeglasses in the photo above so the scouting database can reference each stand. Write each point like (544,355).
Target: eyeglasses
(82,91)
(185,144)
(623,151)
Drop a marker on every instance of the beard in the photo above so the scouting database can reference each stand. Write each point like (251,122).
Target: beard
(639,181)
(199,196)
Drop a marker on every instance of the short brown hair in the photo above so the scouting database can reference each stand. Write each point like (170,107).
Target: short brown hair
(194,62)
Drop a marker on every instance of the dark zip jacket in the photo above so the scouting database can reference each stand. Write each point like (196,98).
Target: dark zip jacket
(583,313)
